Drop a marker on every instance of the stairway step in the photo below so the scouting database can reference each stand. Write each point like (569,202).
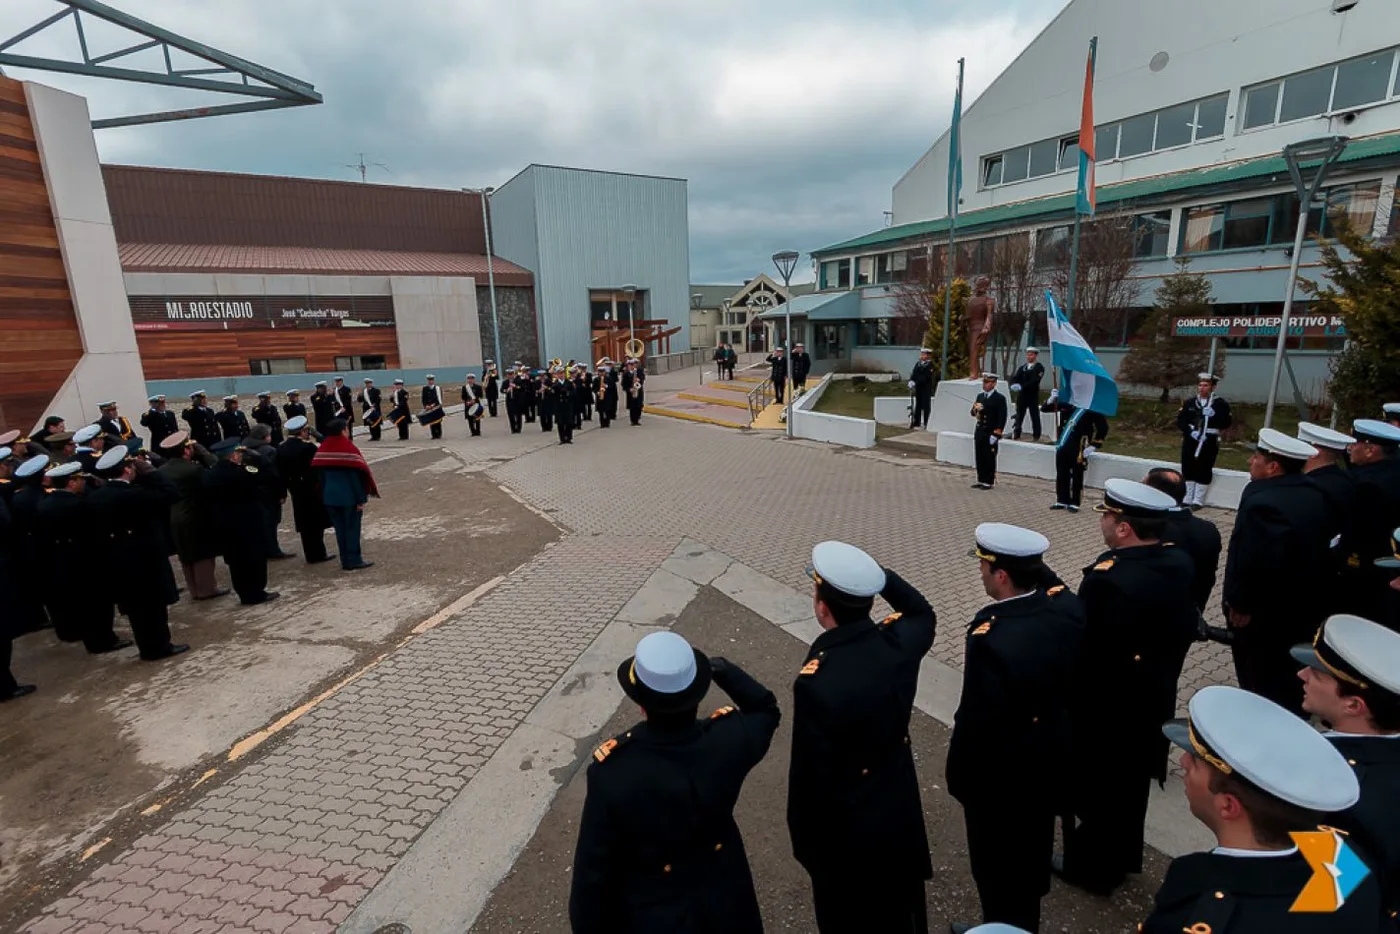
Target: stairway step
(713,400)
(736,386)
(708,415)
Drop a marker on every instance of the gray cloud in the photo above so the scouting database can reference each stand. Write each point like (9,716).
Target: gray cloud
(790,119)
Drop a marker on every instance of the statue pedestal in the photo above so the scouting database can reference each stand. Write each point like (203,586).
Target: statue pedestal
(952,403)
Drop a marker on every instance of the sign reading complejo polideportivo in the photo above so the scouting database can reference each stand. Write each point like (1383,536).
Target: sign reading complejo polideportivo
(1303,325)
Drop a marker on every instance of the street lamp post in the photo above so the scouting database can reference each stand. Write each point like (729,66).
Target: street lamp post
(695,299)
(1327,149)
(630,291)
(786,261)
(485,194)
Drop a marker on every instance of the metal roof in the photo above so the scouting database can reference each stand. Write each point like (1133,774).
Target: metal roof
(820,306)
(713,296)
(1124,193)
(262,260)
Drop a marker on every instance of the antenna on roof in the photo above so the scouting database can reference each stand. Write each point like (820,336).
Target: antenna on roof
(363,168)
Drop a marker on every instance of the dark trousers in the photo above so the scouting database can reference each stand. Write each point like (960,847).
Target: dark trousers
(546,420)
(922,403)
(1107,843)
(634,410)
(1265,666)
(530,412)
(346,520)
(150,627)
(313,544)
(475,425)
(77,618)
(1009,848)
(1200,469)
(272,518)
(846,903)
(1027,402)
(605,414)
(799,386)
(375,431)
(436,429)
(566,425)
(491,406)
(986,455)
(248,574)
(98,635)
(403,430)
(8,684)
(778,390)
(1069,473)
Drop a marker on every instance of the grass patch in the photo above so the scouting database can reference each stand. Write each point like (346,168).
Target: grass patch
(856,398)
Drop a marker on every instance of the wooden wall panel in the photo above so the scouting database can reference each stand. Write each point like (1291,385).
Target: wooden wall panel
(195,354)
(39,338)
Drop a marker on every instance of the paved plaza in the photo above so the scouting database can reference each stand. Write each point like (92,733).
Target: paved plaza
(402,778)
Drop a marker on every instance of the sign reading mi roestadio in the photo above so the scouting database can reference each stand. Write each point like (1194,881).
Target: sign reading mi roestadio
(207,313)
(1260,326)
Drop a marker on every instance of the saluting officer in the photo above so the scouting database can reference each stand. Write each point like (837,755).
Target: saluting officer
(1255,774)
(399,413)
(234,492)
(493,387)
(1012,718)
(1281,533)
(1140,622)
(1351,682)
(265,413)
(323,406)
(308,508)
(204,427)
(854,813)
(372,415)
(1201,420)
(989,409)
(294,406)
(232,422)
(112,423)
(1375,513)
(160,422)
(658,848)
(921,382)
(1080,434)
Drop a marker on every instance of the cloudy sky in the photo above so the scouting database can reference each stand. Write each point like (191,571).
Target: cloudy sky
(791,120)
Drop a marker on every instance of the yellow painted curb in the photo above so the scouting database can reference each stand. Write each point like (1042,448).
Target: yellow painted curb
(770,419)
(729,387)
(686,416)
(693,397)
(747,379)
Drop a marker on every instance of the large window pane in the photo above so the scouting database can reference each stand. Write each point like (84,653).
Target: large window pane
(1210,118)
(1260,105)
(1069,152)
(1052,247)
(1015,163)
(1106,143)
(1356,203)
(1247,223)
(1044,157)
(1202,227)
(991,173)
(1174,125)
(865,270)
(883,273)
(1362,80)
(1136,136)
(1306,95)
(843,274)
(1150,232)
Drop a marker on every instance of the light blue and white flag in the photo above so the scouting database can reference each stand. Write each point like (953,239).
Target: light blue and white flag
(1086,384)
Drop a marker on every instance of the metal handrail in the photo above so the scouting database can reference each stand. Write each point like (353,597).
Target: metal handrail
(759,398)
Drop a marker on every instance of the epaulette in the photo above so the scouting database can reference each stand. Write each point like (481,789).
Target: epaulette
(891,618)
(609,747)
(723,712)
(250,468)
(1055,591)
(1104,565)
(811,667)
(983,629)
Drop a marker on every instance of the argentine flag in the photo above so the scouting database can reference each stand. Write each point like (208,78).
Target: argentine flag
(1086,383)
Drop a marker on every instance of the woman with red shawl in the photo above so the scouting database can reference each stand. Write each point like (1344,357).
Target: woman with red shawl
(346,485)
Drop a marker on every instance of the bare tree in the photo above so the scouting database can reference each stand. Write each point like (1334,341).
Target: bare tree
(1157,357)
(1016,287)
(1103,290)
(917,299)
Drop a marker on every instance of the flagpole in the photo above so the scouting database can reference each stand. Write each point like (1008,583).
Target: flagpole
(1084,201)
(954,187)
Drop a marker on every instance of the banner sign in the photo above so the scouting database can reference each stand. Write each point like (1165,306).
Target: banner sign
(258,312)
(1303,325)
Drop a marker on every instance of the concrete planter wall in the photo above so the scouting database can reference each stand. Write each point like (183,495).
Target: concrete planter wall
(836,429)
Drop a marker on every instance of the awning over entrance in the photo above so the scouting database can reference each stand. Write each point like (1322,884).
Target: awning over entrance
(819,306)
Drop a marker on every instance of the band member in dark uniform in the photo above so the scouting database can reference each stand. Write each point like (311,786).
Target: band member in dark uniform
(159,421)
(204,427)
(634,385)
(132,509)
(583,396)
(515,401)
(607,393)
(1013,716)
(399,413)
(472,394)
(1255,774)
(801,366)
(1025,382)
(531,397)
(1201,420)
(989,409)
(778,373)
(542,387)
(233,496)
(345,405)
(562,393)
(1081,433)
(370,410)
(294,406)
(921,380)
(493,387)
(432,401)
(265,413)
(661,797)
(113,424)
(323,406)
(232,422)
(304,486)
(1140,620)
(854,811)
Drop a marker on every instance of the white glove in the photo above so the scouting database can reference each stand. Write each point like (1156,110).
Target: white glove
(1015,387)
(911,384)
(1090,449)
(1208,411)
(1053,394)
(1195,436)
(993,440)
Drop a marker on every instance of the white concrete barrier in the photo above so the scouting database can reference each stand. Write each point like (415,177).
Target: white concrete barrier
(836,429)
(952,401)
(892,410)
(1024,459)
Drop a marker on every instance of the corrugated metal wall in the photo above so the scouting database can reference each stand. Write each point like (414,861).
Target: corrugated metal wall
(513,238)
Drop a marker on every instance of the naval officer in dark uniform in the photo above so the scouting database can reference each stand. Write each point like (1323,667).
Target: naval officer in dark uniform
(921,381)
(1025,382)
(294,406)
(1201,420)
(232,422)
(370,412)
(1080,434)
(658,849)
(1200,538)
(204,427)
(1012,718)
(265,413)
(1375,458)
(323,406)
(854,812)
(159,421)
(1254,775)
(989,409)
(1140,621)
(1351,682)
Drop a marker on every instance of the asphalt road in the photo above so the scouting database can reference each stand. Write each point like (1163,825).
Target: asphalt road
(533,898)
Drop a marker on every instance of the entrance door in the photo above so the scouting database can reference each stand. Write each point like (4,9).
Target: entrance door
(831,341)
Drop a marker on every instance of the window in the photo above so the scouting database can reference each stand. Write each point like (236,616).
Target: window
(1069,153)
(1272,221)
(1175,126)
(375,362)
(1362,80)
(1034,161)
(1136,136)
(865,270)
(1151,233)
(1045,156)
(991,173)
(275,365)
(1052,247)
(1016,164)
(732,318)
(1247,223)
(1260,105)
(884,271)
(1210,117)
(1106,142)
(1352,83)
(874,333)
(1306,95)
(1178,125)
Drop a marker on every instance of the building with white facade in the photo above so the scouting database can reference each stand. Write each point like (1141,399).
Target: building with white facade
(1193,103)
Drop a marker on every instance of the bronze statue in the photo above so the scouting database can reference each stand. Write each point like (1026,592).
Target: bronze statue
(980,308)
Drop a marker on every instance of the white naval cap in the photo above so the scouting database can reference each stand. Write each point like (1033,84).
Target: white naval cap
(109,404)
(665,662)
(1321,437)
(996,927)
(847,569)
(431,376)
(176,440)
(32,466)
(231,398)
(1130,498)
(1375,431)
(296,423)
(398,382)
(112,458)
(1241,733)
(5,453)
(1355,650)
(154,399)
(64,470)
(1272,441)
(992,377)
(1009,545)
(368,380)
(1032,350)
(197,393)
(86,433)
(292,392)
(1391,408)
(320,382)
(1207,377)
(1391,560)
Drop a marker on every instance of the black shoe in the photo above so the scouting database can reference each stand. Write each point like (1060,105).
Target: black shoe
(1057,867)
(359,567)
(265,598)
(170,651)
(1059,506)
(1209,633)
(1072,508)
(282,556)
(218,593)
(116,646)
(21,690)
(328,557)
